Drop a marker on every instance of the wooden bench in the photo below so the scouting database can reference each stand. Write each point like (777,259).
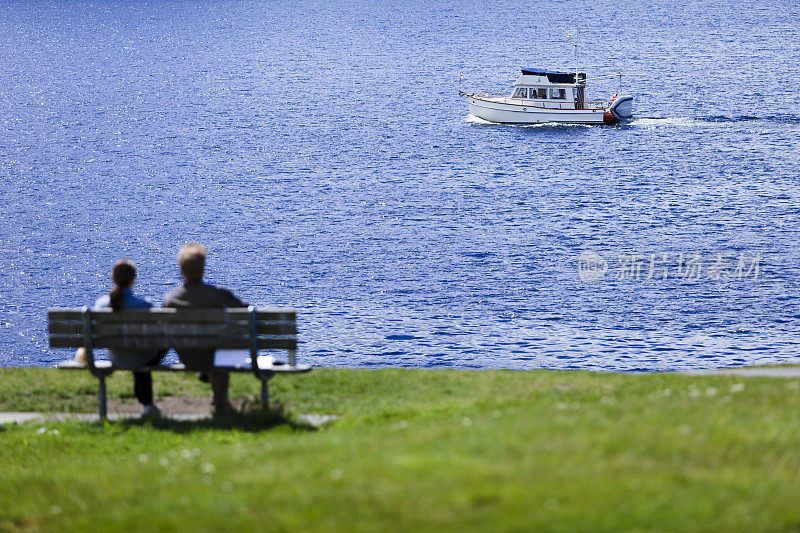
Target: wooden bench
(161,329)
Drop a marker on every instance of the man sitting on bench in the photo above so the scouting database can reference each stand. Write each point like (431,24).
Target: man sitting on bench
(198,295)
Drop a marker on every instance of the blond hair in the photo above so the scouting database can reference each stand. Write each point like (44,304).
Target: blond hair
(192,260)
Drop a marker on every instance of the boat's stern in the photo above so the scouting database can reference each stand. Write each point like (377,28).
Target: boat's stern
(622,108)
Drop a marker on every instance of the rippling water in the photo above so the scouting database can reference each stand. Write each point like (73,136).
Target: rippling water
(322,154)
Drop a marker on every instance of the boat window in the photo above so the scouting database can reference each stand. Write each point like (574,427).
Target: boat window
(558,94)
(521,93)
(542,93)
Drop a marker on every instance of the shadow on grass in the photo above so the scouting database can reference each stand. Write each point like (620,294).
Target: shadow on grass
(251,421)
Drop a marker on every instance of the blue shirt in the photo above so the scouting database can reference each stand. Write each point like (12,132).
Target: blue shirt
(128,358)
(131,301)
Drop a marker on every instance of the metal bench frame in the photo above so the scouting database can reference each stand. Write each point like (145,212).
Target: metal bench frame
(162,329)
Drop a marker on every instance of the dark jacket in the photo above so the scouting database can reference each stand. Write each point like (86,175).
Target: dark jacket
(200,295)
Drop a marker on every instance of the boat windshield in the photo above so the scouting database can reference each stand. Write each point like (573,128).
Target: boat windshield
(542,93)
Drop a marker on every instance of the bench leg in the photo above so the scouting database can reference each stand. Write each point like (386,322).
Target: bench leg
(265,393)
(101,397)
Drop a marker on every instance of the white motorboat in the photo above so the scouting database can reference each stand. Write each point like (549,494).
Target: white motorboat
(541,96)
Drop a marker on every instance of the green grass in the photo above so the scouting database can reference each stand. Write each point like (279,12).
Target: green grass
(414,450)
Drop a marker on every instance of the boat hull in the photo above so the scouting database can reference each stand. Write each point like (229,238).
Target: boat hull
(504,113)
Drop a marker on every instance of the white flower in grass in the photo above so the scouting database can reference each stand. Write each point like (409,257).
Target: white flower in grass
(336,474)
(143,458)
(401,425)
(737,387)
(711,391)
(207,468)
(466,421)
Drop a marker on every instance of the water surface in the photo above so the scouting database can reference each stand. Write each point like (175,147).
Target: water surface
(320,151)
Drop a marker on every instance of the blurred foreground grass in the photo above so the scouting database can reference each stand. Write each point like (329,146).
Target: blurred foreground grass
(414,450)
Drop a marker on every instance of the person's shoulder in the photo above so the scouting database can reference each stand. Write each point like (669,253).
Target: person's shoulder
(172,294)
(104,302)
(220,290)
(135,302)
(231,299)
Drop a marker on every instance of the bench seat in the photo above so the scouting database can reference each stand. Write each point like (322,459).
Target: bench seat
(109,367)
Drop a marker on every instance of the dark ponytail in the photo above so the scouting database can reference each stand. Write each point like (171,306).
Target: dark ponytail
(123,274)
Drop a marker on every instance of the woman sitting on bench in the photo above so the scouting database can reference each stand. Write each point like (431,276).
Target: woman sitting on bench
(121,297)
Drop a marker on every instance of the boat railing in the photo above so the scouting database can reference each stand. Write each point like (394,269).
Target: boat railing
(595,104)
(506,95)
(492,94)
(505,98)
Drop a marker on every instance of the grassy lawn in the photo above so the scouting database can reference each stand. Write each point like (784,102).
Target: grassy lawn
(414,450)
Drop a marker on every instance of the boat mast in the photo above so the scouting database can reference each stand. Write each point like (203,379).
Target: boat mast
(576,55)
(578,89)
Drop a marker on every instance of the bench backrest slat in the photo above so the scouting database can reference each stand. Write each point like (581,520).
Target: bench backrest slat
(178,343)
(170,328)
(167,314)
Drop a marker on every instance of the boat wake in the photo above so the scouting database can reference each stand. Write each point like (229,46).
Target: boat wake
(478,120)
(665,121)
(793,120)
(715,120)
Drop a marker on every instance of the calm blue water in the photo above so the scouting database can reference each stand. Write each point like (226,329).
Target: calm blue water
(320,151)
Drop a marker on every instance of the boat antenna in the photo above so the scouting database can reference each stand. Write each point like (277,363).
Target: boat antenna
(576,55)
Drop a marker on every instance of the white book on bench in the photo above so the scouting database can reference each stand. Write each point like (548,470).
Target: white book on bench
(240,359)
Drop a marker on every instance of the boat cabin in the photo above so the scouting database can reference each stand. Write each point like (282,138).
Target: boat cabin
(551,90)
